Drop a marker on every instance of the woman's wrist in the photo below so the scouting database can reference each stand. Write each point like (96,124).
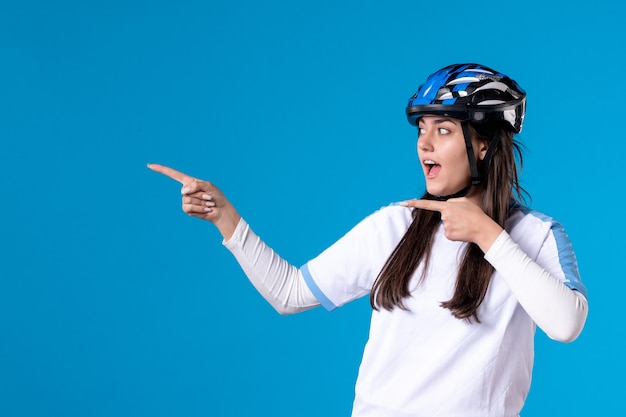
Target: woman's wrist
(227,222)
(487,235)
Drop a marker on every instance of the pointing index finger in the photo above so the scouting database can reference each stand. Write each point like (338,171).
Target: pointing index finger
(431,205)
(172,173)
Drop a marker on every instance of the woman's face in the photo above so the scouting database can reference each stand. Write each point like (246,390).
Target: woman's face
(442,153)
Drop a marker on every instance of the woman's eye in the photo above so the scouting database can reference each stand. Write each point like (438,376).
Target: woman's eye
(440,130)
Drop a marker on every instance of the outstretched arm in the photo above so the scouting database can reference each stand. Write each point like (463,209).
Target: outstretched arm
(279,282)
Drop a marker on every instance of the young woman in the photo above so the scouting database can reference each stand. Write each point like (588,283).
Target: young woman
(458,279)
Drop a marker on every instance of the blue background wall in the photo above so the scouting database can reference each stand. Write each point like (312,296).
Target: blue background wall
(115,303)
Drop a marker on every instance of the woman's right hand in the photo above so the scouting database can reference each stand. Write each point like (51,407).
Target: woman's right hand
(203,200)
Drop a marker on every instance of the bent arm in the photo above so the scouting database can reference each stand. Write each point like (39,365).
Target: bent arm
(557,309)
(279,282)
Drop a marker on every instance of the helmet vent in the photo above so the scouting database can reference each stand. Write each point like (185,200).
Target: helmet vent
(463,80)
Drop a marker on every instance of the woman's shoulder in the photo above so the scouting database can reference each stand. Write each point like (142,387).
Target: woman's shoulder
(531,220)
(390,216)
(394,211)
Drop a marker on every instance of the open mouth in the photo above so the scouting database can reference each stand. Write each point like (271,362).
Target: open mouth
(432,168)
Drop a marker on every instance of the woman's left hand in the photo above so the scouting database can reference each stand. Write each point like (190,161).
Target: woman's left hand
(462,220)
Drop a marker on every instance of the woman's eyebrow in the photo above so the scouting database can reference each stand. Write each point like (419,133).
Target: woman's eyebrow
(439,120)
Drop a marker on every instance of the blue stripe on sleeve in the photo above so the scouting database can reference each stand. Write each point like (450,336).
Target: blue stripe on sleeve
(321,297)
(567,258)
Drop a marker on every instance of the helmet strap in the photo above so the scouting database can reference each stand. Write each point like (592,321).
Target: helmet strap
(470,153)
(487,159)
(458,194)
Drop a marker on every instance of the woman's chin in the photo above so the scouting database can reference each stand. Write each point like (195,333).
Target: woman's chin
(437,191)
(443,190)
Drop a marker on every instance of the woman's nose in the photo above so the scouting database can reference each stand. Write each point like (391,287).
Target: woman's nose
(424,142)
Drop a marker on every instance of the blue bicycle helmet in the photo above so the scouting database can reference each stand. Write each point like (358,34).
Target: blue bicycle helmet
(472,93)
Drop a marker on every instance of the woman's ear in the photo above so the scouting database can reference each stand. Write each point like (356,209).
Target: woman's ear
(483,146)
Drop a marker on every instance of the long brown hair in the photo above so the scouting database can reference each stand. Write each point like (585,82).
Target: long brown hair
(500,182)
